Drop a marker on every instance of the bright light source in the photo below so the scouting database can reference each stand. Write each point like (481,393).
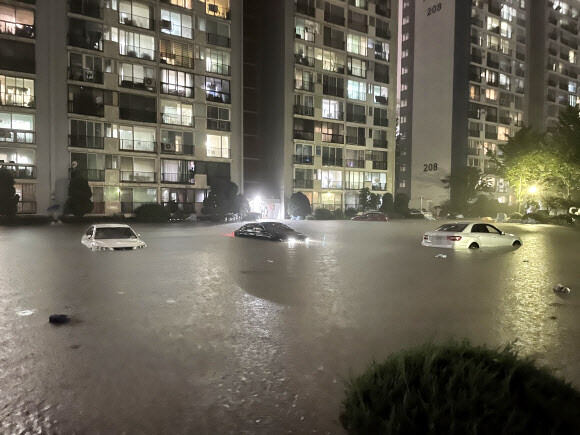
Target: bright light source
(533,189)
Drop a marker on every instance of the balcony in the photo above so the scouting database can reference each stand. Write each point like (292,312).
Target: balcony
(89,8)
(91,174)
(89,109)
(220,40)
(136,21)
(334,19)
(356,117)
(333,90)
(141,146)
(334,43)
(381,122)
(303,184)
(354,185)
(177,177)
(380,143)
(383,9)
(300,59)
(26,207)
(332,184)
(331,161)
(218,11)
(379,186)
(79,74)
(139,115)
(491,134)
(137,52)
(492,63)
(300,159)
(380,165)
(146,84)
(332,138)
(476,21)
(138,177)
(217,97)
(303,110)
(303,85)
(303,135)
(356,140)
(17,29)
(351,163)
(505,120)
(175,59)
(380,99)
(17,136)
(382,32)
(358,25)
(23,172)
(219,125)
(174,149)
(305,7)
(185,4)
(173,119)
(81,141)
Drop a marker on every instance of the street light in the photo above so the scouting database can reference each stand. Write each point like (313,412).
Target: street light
(533,190)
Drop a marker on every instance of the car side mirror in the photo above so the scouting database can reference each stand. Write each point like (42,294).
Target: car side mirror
(138,235)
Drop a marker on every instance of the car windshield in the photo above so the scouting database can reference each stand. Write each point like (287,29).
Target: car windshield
(275,226)
(114,233)
(452,228)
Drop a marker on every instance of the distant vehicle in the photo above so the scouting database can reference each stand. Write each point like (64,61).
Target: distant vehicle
(112,237)
(462,235)
(420,214)
(374,216)
(270,231)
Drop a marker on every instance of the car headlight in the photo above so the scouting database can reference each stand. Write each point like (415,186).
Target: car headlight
(291,240)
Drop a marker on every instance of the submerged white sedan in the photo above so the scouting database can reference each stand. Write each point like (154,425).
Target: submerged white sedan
(466,235)
(112,237)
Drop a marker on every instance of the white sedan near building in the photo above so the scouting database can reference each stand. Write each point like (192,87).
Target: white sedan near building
(112,237)
(469,235)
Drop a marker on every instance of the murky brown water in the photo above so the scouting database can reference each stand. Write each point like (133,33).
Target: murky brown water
(205,333)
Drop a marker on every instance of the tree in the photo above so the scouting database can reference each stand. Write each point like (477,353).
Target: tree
(567,135)
(299,205)
(387,203)
(222,199)
(241,204)
(374,201)
(214,204)
(465,184)
(79,195)
(8,197)
(526,171)
(525,140)
(401,204)
(368,200)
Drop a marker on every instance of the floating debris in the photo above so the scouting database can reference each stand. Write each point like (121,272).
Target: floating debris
(559,288)
(59,319)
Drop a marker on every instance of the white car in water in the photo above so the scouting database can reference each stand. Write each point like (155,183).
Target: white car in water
(466,235)
(112,237)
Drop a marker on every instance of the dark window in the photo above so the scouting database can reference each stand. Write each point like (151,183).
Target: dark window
(17,56)
(137,108)
(452,228)
(479,228)
(85,34)
(216,171)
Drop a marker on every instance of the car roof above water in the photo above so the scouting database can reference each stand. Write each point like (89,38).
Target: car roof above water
(111,226)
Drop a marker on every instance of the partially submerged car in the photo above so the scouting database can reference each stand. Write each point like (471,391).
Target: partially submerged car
(469,235)
(373,216)
(112,237)
(270,231)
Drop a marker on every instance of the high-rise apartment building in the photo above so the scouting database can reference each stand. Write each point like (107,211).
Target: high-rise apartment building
(327,98)
(142,97)
(464,89)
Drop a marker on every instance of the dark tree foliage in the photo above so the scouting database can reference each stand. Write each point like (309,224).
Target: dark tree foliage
(299,205)
(401,204)
(223,198)
(79,195)
(387,203)
(465,184)
(152,213)
(8,197)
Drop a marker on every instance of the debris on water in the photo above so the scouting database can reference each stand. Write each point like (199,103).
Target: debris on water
(526,261)
(270,261)
(26,312)
(75,346)
(321,368)
(121,293)
(324,240)
(170,301)
(553,317)
(302,418)
(441,256)
(559,288)
(59,319)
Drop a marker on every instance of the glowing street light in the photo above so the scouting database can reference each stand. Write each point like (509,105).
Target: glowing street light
(533,190)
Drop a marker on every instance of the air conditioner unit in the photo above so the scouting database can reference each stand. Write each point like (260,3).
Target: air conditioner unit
(169,147)
(149,82)
(166,24)
(89,75)
(4,133)
(212,8)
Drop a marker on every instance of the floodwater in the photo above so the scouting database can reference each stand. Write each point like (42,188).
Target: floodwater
(206,333)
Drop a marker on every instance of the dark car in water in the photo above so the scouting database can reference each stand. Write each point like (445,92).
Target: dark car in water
(374,216)
(270,231)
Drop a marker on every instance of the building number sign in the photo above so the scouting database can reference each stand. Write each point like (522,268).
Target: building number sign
(434,9)
(428,167)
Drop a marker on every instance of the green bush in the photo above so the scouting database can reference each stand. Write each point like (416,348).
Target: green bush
(350,213)
(79,201)
(339,214)
(561,219)
(8,197)
(538,217)
(152,213)
(516,216)
(323,214)
(456,388)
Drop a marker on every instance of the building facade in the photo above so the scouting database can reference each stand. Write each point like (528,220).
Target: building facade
(141,97)
(472,96)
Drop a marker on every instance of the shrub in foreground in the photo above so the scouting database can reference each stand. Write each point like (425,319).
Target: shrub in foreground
(456,388)
(350,213)
(516,216)
(338,214)
(152,213)
(323,214)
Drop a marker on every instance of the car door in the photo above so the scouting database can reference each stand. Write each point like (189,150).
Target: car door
(260,231)
(496,237)
(481,232)
(248,230)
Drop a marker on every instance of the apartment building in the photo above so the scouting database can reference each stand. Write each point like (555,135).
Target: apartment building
(327,96)
(469,89)
(142,97)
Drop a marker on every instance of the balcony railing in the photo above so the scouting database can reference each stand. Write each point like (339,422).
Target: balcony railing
(382,32)
(332,137)
(180,91)
(140,115)
(89,109)
(334,43)
(24,172)
(17,136)
(379,165)
(350,163)
(358,25)
(333,90)
(504,120)
(474,133)
(303,135)
(331,161)
(304,110)
(177,177)
(217,97)
(334,19)
(303,184)
(304,60)
(142,146)
(379,186)
(80,74)
(380,143)
(215,39)
(491,135)
(356,140)
(216,124)
(356,117)
(82,141)
(90,41)
(175,59)
(332,185)
(354,185)
(171,148)
(92,174)
(303,85)
(26,207)
(138,177)
(301,159)
(381,122)
(177,119)
(137,52)
(16,99)
(17,29)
